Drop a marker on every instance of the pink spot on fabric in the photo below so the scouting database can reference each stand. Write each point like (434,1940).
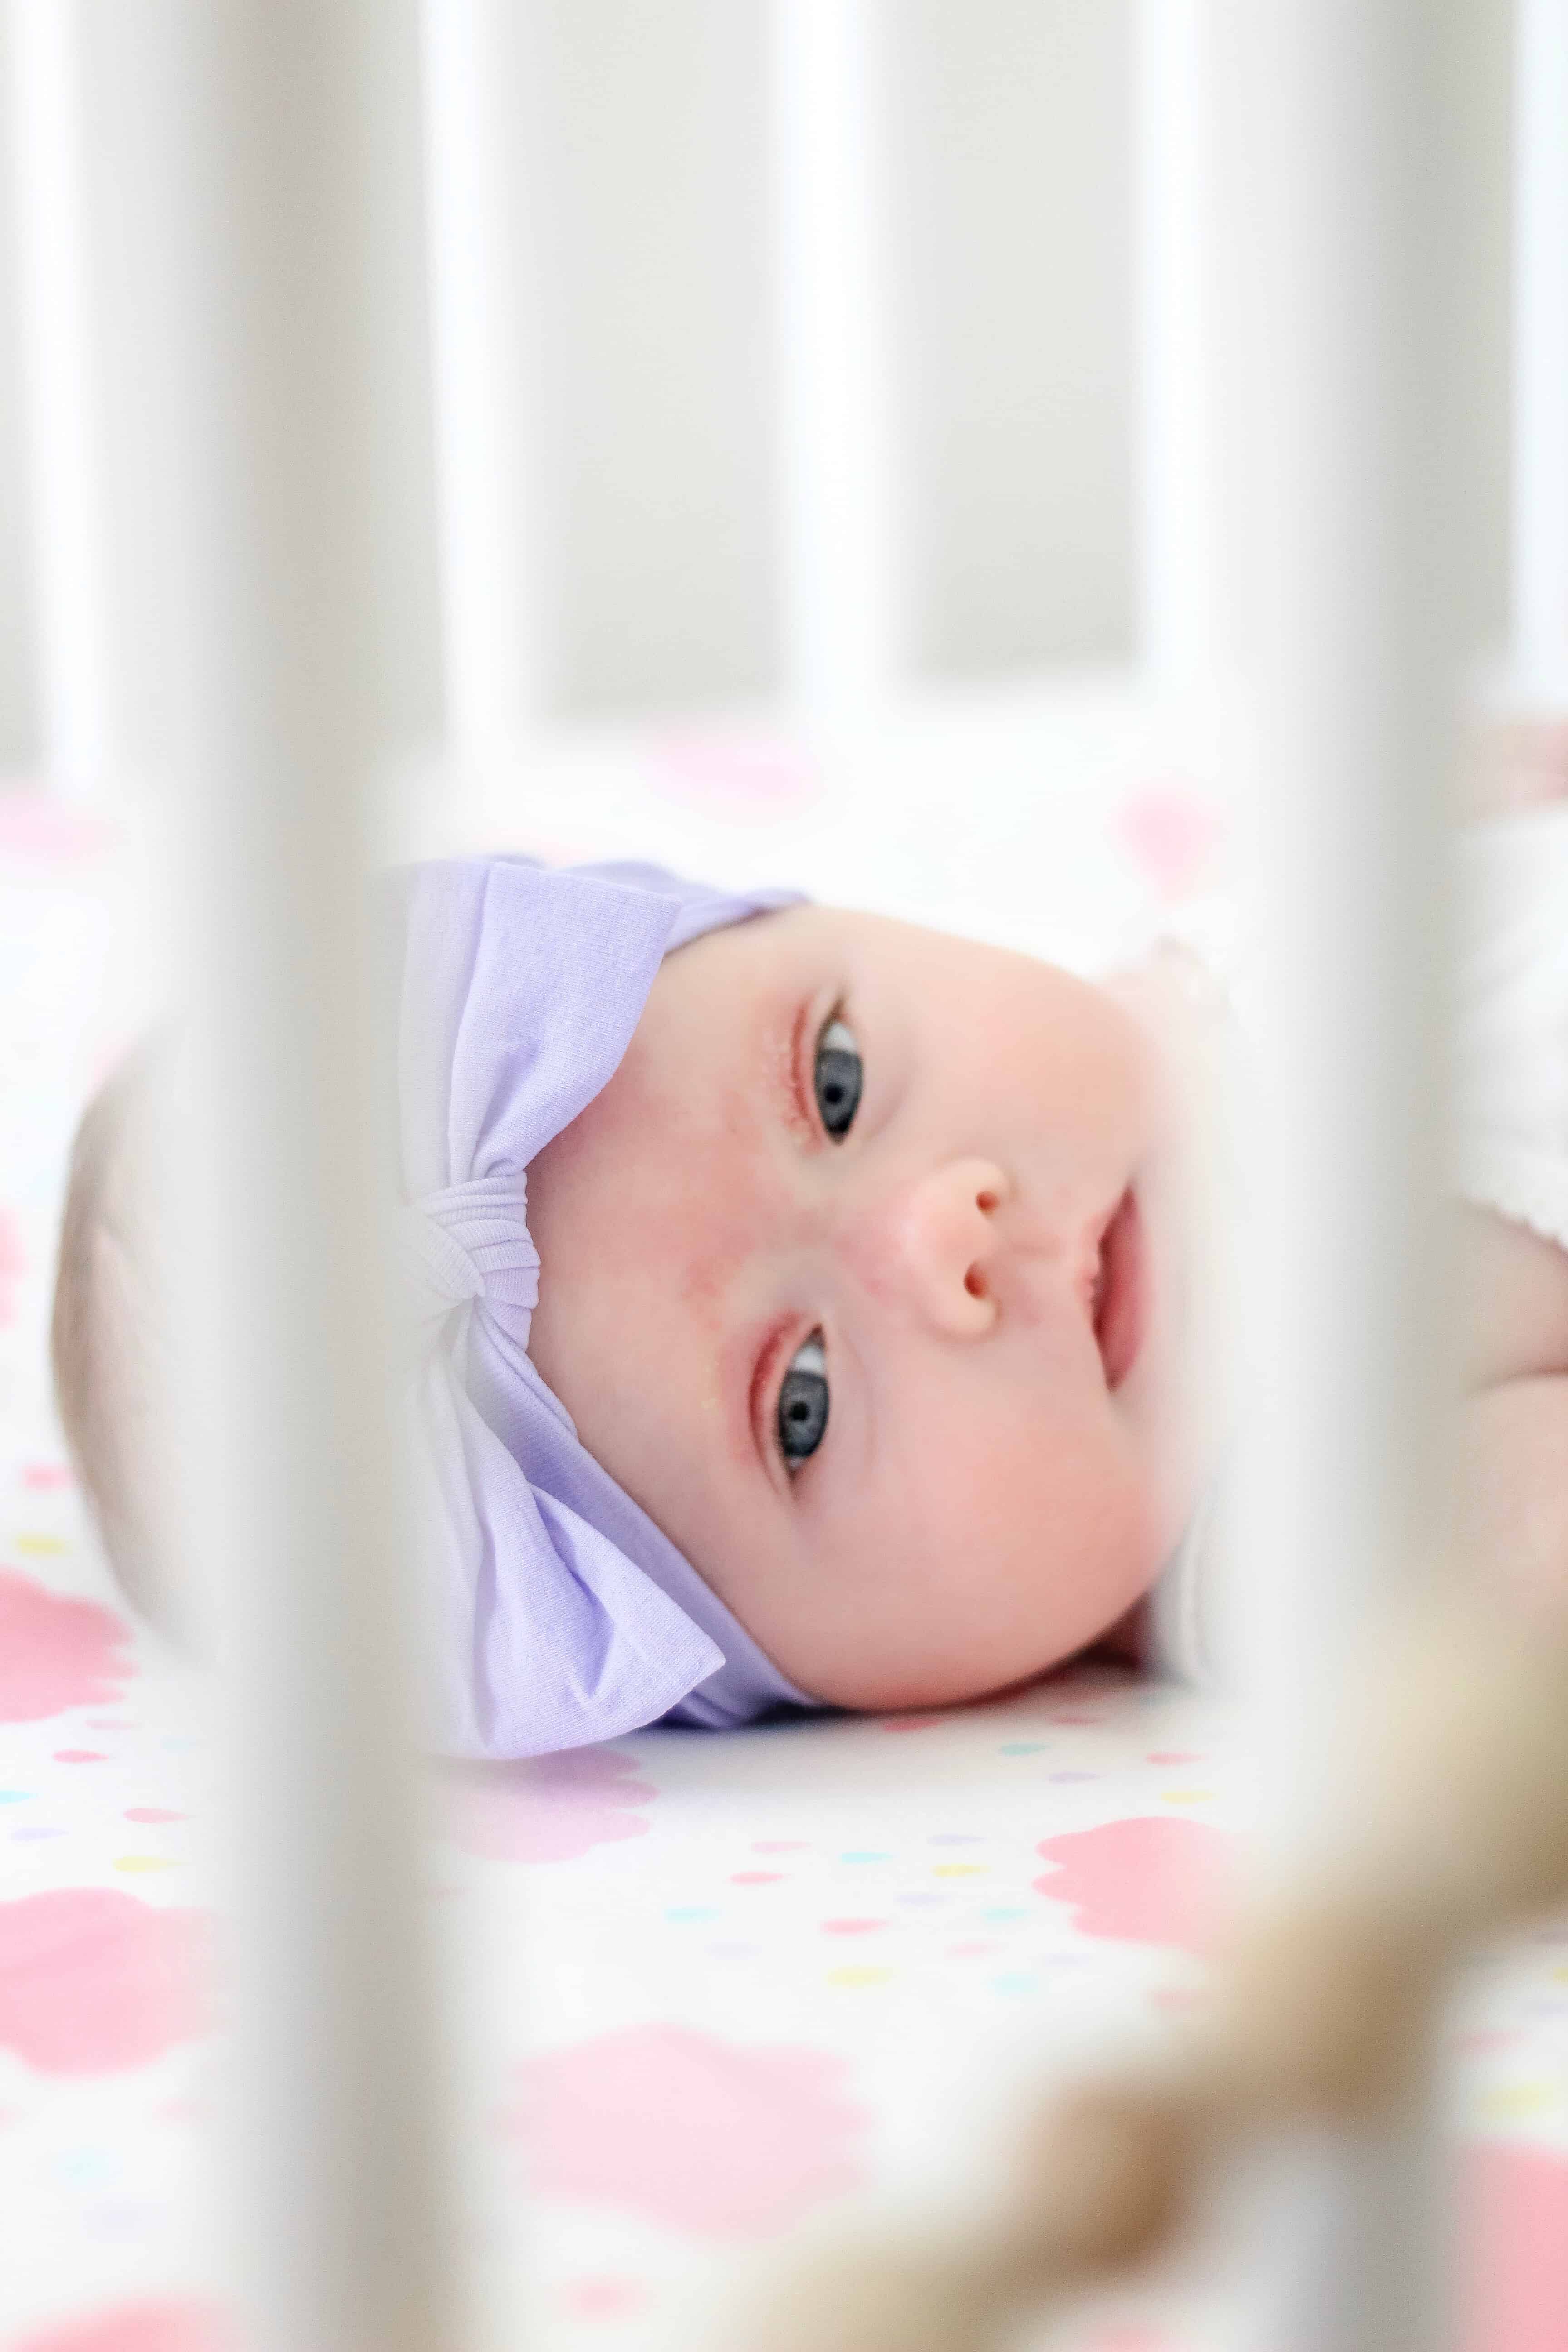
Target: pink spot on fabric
(34,825)
(153,1814)
(1513,2278)
(13,1266)
(139,2327)
(1145,1881)
(693,2133)
(1175,1756)
(753,778)
(1170,831)
(604,2298)
(548,1808)
(46,1477)
(756,1877)
(81,1755)
(851,1927)
(92,1981)
(56,1653)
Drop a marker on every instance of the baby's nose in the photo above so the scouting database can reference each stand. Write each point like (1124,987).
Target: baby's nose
(930,1243)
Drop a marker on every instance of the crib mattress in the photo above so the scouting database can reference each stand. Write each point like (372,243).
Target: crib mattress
(708,1992)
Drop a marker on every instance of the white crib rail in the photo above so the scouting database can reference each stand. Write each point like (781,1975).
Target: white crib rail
(1335,196)
(280,132)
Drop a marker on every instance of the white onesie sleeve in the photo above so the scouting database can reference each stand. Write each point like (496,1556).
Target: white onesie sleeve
(1511,1131)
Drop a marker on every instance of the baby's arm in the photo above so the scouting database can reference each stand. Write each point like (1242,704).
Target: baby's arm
(1513,1497)
(1514,1491)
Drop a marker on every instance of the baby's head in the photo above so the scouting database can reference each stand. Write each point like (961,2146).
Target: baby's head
(864,1272)
(866,1275)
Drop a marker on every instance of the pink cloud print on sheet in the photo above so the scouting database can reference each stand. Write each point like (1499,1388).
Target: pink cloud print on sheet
(548,1808)
(93,1981)
(719,2138)
(1148,1880)
(56,1654)
(161,2326)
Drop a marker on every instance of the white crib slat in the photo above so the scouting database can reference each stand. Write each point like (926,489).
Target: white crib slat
(1540,519)
(263,201)
(61,389)
(1180,541)
(481,279)
(834,423)
(1334,199)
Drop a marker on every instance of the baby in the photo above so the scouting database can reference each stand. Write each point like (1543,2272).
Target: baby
(799,1304)
(808,1310)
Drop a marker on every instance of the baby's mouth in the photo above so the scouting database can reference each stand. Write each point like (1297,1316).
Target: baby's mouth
(1116,1303)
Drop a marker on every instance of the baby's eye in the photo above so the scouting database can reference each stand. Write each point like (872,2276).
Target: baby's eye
(837,1079)
(802,1403)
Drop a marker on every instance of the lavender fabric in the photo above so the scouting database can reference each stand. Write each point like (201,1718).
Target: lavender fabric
(560,1614)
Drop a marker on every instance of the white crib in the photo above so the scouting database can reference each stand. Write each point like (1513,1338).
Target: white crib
(843,417)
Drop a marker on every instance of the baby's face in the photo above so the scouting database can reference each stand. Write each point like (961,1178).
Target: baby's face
(901,1375)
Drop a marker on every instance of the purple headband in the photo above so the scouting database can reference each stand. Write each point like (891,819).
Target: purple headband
(561,1614)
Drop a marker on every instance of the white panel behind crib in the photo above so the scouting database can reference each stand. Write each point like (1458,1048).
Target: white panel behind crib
(19,744)
(1010,127)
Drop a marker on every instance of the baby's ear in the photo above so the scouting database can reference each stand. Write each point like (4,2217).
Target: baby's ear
(113,1336)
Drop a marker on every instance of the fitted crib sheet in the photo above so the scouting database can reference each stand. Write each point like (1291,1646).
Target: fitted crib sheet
(708,1992)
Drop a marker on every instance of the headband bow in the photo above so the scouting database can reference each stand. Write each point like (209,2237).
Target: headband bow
(561,1613)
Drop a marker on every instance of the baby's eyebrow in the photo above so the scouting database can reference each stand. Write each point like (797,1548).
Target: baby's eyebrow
(787,1024)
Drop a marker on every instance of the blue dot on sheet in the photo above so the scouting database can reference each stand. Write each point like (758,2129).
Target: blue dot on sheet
(1024,1747)
(684,1914)
(14,1796)
(1015,1980)
(1006,1911)
(870,1855)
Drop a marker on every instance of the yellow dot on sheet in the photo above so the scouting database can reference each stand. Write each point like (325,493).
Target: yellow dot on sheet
(858,1980)
(138,1862)
(1186,1796)
(40,1547)
(1510,2100)
(959,1869)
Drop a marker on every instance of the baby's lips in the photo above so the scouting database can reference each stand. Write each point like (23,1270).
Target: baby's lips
(1118,1315)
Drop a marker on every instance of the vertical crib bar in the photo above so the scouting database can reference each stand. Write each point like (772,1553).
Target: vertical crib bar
(1179,517)
(1540,501)
(1334,207)
(61,391)
(834,421)
(258,375)
(481,279)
